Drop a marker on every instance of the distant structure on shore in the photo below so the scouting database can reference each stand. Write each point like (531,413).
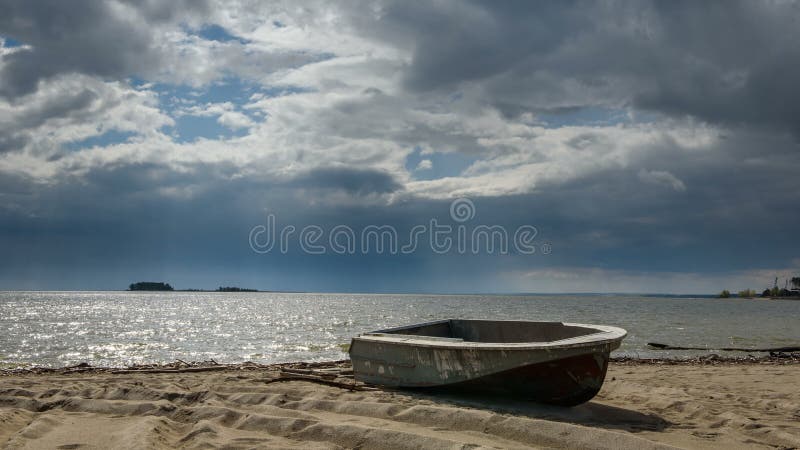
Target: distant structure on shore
(150,286)
(775,292)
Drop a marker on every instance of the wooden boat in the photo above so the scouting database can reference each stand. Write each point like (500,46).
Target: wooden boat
(550,362)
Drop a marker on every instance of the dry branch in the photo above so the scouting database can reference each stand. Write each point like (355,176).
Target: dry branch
(658,346)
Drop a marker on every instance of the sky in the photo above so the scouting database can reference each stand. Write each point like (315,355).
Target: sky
(604,146)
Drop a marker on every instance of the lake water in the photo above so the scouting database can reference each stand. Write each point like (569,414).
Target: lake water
(124,328)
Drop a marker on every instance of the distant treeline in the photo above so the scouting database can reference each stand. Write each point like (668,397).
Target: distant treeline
(234,289)
(150,286)
(775,292)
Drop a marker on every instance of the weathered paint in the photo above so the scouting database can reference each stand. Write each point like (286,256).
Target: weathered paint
(569,367)
(567,382)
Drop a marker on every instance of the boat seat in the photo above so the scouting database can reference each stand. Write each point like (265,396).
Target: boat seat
(416,336)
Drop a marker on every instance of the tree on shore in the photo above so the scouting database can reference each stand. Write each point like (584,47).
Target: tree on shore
(234,289)
(150,286)
(725,294)
(747,293)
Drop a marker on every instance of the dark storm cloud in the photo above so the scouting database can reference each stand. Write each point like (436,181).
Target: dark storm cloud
(86,37)
(732,62)
(10,142)
(350,180)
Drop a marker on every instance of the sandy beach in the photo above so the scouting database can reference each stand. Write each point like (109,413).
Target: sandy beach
(642,405)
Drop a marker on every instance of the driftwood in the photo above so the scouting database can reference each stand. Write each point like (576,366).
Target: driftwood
(338,370)
(658,346)
(712,359)
(320,380)
(185,370)
(305,371)
(314,372)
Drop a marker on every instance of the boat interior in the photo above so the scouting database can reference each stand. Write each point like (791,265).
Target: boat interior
(500,331)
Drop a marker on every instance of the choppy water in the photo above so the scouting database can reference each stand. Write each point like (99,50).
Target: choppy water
(123,328)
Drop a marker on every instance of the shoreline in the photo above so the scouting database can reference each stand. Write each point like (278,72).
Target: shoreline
(178,365)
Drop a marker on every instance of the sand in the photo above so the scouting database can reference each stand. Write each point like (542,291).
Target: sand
(641,406)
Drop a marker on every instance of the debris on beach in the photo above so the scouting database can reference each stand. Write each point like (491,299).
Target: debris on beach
(774,358)
(789,349)
(180,366)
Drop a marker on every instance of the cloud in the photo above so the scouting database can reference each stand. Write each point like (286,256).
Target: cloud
(225,112)
(353,181)
(425,164)
(234,120)
(676,59)
(661,177)
(120,39)
(83,37)
(72,108)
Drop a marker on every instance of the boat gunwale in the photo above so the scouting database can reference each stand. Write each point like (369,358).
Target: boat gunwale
(606,335)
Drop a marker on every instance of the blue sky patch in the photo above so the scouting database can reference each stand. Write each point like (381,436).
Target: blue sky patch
(192,128)
(230,89)
(214,32)
(9,42)
(448,164)
(188,128)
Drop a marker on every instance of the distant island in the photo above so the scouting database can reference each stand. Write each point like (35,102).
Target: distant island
(150,286)
(161,286)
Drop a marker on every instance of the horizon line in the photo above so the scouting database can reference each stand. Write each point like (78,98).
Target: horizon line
(644,294)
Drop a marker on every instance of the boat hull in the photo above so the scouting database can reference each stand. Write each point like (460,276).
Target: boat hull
(564,382)
(566,372)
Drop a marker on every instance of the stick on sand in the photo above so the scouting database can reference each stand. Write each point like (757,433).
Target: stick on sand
(658,346)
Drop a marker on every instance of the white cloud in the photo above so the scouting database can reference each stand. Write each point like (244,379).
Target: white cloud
(425,164)
(662,178)
(234,120)
(71,108)
(225,112)
(205,110)
(517,158)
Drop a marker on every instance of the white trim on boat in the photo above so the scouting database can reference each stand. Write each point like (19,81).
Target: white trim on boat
(605,335)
